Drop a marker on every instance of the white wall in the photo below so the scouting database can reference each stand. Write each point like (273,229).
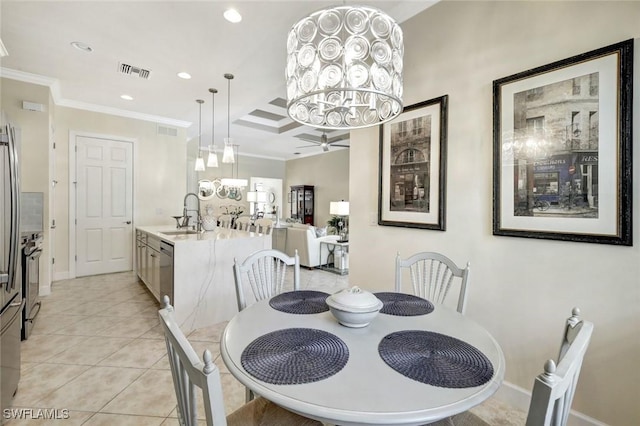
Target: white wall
(520,289)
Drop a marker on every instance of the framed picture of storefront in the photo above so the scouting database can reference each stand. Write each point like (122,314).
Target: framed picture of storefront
(412,167)
(562,149)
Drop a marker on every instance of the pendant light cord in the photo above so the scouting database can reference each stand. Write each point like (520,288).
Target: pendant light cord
(200,102)
(229,77)
(213,115)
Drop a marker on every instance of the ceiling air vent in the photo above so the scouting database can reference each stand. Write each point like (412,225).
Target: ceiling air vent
(133,70)
(168,131)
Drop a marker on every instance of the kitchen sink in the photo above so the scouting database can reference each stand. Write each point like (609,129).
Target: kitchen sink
(180,232)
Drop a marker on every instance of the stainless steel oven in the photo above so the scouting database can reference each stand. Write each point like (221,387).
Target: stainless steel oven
(31,281)
(32,232)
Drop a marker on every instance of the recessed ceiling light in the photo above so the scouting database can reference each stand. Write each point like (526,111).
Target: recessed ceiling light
(184,75)
(82,46)
(232,16)
(126,97)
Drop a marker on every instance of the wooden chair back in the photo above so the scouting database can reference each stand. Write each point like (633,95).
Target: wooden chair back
(432,277)
(553,390)
(225,221)
(190,373)
(265,273)
(263,226)
(243,223)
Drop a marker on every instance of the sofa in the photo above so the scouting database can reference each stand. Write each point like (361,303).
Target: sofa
(304,239)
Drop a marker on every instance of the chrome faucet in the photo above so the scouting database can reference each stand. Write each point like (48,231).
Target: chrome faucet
(185,223)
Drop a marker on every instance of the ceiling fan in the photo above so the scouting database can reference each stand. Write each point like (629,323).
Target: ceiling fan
(322,142)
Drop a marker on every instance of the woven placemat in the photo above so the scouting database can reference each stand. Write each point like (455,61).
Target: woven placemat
(300,302)
(402,304)
(435,359)
(295,356)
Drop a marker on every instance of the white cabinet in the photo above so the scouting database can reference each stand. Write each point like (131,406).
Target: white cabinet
(148,261)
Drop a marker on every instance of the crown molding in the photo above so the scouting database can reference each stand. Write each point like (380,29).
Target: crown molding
(54,86)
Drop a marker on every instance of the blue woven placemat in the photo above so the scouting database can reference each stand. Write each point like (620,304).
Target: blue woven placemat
(435,359)
(300,302)
(295,356)
(402,304)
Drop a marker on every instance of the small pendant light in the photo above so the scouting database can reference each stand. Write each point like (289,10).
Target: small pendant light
(212,160)
(227,155)
(200,160)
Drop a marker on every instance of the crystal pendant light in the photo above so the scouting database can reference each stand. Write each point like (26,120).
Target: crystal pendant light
(200,160)
(344,68)
(227,154)
(212,159)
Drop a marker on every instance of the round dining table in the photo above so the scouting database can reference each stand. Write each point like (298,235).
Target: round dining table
(407,367)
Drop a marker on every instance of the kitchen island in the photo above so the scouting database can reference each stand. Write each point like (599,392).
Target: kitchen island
(202,269)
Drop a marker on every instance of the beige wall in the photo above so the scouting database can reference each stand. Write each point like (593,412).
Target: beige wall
(34,138)
(520,289)
(328,172)
(158,170)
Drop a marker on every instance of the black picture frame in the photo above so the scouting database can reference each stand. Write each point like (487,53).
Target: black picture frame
(413,161)
(562,149)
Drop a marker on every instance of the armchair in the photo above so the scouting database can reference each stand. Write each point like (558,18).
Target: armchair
(303,238)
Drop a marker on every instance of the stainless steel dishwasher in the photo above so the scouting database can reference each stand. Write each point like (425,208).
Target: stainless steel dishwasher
(166,270)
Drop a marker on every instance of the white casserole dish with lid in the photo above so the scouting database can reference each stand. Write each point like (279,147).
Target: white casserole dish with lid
(354,299)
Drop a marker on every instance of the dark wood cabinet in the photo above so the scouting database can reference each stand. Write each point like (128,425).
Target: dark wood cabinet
(302,199)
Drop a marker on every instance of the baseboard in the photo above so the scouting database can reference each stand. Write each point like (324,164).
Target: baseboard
(519,398)
(59,276)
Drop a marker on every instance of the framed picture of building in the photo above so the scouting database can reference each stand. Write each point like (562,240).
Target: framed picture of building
(562,149)
(413,158)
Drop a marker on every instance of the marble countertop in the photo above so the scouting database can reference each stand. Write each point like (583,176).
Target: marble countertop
(173,235)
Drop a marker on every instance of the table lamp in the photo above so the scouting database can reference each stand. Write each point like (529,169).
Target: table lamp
(341,209)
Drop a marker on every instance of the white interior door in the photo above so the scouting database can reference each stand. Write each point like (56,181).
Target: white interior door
(104,204)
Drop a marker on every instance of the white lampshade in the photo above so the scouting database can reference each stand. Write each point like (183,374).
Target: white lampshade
(344,68)
(339,208)
(199,164)
(212,160)
(227,154)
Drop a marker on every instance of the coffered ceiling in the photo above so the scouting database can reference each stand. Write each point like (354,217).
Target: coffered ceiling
(138,47)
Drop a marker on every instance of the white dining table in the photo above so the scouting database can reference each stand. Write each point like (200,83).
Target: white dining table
(366,390)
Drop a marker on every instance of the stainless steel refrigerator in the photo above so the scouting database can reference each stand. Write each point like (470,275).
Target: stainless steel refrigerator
(11,302)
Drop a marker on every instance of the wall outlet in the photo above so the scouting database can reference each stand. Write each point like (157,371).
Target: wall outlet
(159,212)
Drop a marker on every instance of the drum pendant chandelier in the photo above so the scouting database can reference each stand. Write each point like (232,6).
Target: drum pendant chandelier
(344,68)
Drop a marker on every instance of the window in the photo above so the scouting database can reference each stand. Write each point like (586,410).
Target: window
(576,86)
(594,84)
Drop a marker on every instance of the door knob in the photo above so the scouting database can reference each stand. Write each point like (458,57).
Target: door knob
(128,222)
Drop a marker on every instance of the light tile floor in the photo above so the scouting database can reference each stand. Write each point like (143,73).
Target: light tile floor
(97,356)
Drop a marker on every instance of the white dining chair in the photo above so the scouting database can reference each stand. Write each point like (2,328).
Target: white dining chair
(432,277)
(225,220)
(243,223)
(189,373)
(264,272)
(553,390)
(263,225)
